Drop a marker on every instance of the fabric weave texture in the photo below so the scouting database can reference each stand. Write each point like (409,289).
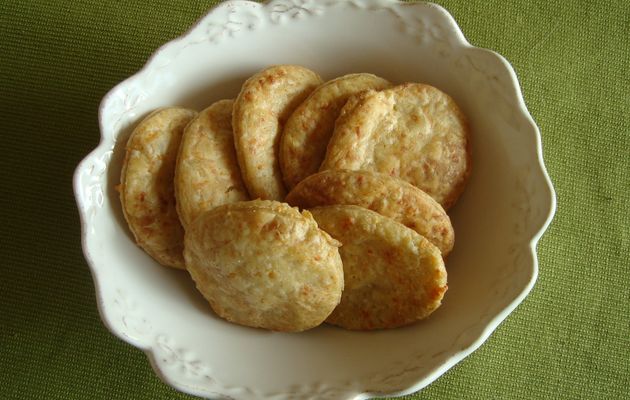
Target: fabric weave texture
(569,339)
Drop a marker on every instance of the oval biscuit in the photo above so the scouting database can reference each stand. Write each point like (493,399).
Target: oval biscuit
(413,131)
(387,195)
(146,189)
(262,107)
(308,129)
(207,173)
(393,276)
(264,264)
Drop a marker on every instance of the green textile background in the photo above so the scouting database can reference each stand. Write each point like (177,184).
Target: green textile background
(570,339)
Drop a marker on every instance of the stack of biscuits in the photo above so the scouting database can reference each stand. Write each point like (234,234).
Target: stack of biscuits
(302,201)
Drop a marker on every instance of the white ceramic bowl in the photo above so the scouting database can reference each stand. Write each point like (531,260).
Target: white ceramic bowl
(504,211)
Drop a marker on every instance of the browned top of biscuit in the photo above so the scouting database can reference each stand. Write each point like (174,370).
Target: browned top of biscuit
(413,131)
(265,264)
(207,173)
(309,128)
(393,276)
(146,190)
(387,195)
(262,107)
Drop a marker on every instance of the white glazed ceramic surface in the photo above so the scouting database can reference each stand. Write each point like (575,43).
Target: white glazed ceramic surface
(505,209)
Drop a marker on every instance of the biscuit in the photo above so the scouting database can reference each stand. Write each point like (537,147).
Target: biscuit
(261,109)
(264,264)
(146,189)
(207,173)
(387,195)
(308,129)
(413,131)
(393,276)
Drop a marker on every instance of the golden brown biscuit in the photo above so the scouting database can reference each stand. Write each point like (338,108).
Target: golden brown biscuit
(308,130)
(146,189)
(393,276)
(387,195)
(413,131)
(207,173)
(263,264)
(262,107)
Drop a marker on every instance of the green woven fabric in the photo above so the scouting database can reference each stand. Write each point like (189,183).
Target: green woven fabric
(571,337)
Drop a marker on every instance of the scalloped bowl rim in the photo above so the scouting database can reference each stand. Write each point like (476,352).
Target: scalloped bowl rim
(423,381)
